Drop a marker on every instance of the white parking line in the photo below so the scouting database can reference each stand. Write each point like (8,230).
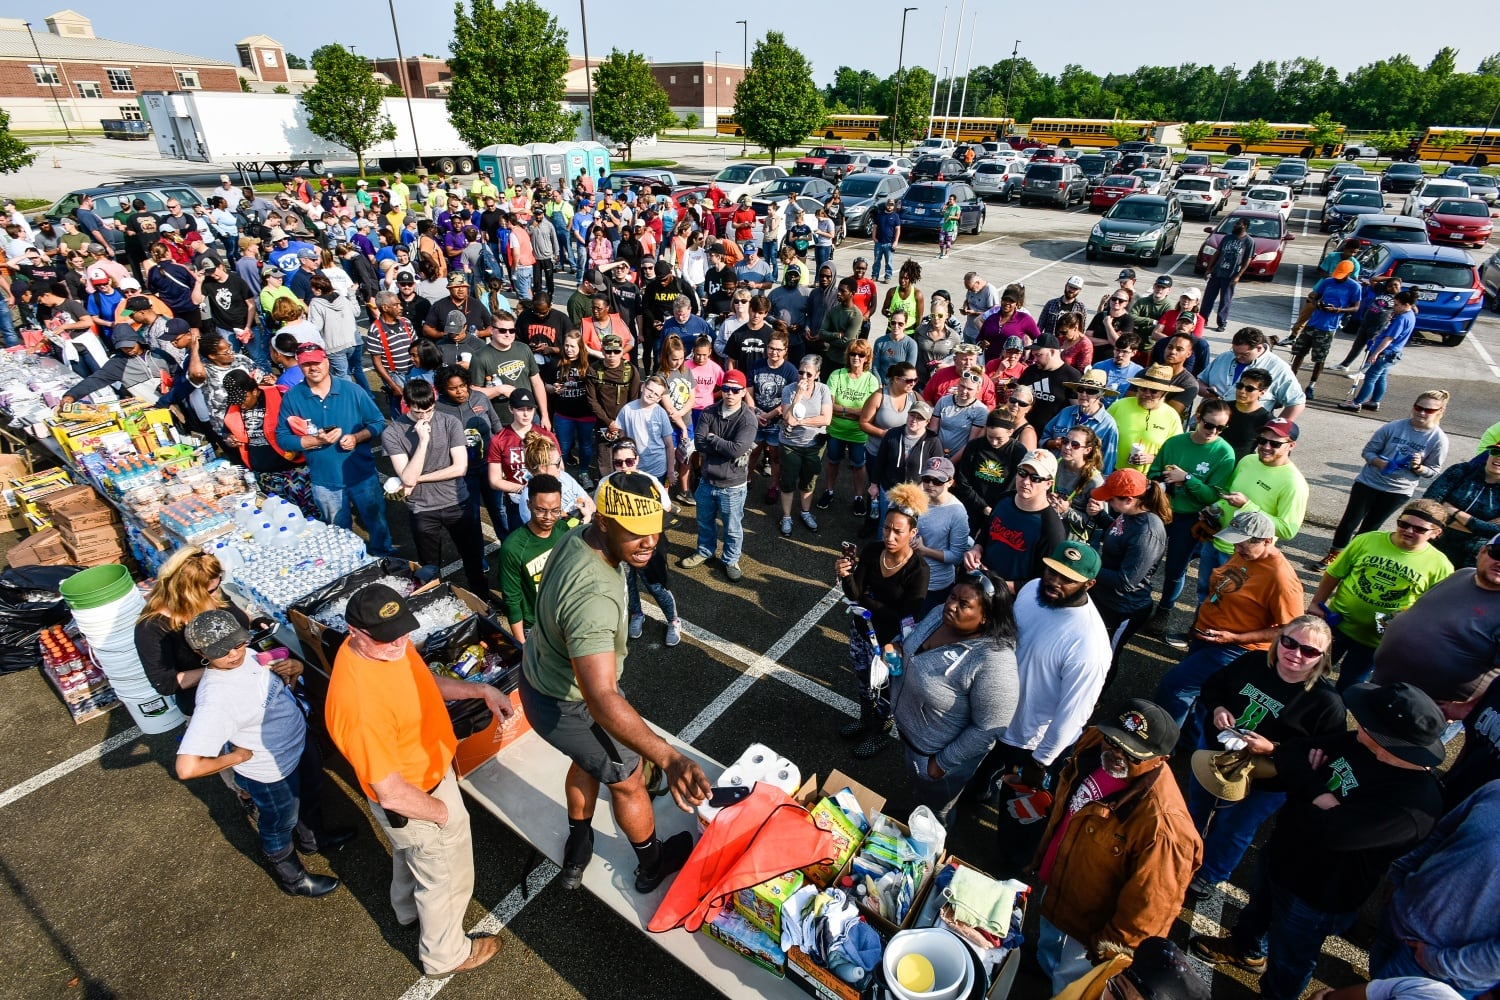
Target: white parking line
(68,766)
(1297,296)
(1053,263)
(974,246)
(1484,355)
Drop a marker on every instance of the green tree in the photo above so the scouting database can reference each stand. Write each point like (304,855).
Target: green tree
(245,86)
(1393,143)
(14,154)
(294,61)
(777,103)
(1195,132)
(629,105)
(394,90)
(1325,132)
(1489,65)
(690,121)
(1123,131)
(910,123)
(281,88)
(1254,132)
(854,89)
(345,105)
(508,66)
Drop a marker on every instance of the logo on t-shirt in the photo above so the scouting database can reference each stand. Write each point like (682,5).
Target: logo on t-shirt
(1261,705)
(1342,781)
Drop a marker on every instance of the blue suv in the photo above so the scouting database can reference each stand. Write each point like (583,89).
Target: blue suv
(1449,293)
(922,206)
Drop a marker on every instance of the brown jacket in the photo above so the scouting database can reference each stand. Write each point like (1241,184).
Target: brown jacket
(1122,869)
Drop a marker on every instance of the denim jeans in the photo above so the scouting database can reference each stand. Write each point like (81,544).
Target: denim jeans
(569,430)
(521,278)
(1289,932)
(821,256)
(883,251)
(1218,289)
(8,326)
(726,503)
(255,348)
(1373,391)
(938,794)
(1179,687)
(295,799)
(1181,547)
(367,498)
(1062,958)
(341,363)
(1356,661)
(768,254)
(357,367)
(664,597)
(1209,559)
(1227,827)
(580,257)
(1392,958)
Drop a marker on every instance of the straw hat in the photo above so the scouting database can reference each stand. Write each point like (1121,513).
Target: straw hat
(1156,377)
(1227,774)
(1093,379)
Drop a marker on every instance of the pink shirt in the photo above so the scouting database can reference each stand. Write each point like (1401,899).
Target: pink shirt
(706,378)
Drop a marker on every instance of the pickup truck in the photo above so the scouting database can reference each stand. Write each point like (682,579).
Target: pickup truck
(812,164)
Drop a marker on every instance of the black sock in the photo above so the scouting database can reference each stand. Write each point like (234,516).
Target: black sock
(580,841)
(648,854)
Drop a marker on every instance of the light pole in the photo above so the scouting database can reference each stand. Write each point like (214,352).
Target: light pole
(744,68)
(1485,135)
(963,95)
(953,65)
(588,72)
(1011,77)
(900,74)
(937,72)
(1228,84)
(716,90)
(405,83)
(52,80)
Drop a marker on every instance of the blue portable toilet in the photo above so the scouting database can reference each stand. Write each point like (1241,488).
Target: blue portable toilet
(488,159)
(598,158)
(575,160)
(549,162)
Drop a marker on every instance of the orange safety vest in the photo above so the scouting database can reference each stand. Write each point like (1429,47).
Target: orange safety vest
(234,423)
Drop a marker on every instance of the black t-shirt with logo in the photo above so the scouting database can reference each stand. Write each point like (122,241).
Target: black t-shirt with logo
(1050,391)
(747,346)
(226,301)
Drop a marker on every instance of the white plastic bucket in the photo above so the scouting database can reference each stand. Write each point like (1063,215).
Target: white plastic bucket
(952,969)
(153,712)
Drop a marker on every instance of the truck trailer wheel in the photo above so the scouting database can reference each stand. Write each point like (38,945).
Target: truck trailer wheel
(444,165)
(465,165)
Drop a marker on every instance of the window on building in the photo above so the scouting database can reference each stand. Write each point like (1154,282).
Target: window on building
(695,77)
(45,76)
(89,89)
(671,79)
(244,54)
(131,112)
(710,78)
(120,80)
(187,79)
(728,81)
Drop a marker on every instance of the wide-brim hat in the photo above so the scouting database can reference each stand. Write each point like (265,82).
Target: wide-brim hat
(1093,379)
(1156,377)
(1403,719)
(1227,774)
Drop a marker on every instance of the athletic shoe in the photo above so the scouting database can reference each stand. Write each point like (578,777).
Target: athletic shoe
(861,505)
(1340,368)
(1327,560)
(1350,407)
(1311,391)
(685,498)
(584,481)
(696,559)
(733,571)
(637,623)
(810,521)
(1178,640)
(826,500)
(674,632)
(1157,625)
(1221,328)
(786,527)
(674,854)
(1372,407)
(1198,888)
(1223,951)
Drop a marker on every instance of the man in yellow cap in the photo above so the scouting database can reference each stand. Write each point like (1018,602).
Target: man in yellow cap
(574,657)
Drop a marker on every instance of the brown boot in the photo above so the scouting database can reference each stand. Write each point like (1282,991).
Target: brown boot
(482,950)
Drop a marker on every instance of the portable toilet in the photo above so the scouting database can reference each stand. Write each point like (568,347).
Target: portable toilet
(575,160)
(505,163)
(598,158)
(488,159)
(549,162)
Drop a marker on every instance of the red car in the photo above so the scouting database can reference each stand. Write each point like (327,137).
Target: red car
(1267,229)
(812,164)
(1113,188)
(1463,221)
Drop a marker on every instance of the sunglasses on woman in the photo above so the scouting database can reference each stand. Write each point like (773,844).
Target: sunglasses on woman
(625,463)
(1292,645)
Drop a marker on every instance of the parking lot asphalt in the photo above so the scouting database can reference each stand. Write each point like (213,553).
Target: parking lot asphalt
(120,881)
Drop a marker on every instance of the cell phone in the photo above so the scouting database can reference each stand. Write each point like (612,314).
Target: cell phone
(851,551)
(722,796)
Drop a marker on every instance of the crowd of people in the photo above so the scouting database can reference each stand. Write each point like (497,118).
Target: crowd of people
(1032,487)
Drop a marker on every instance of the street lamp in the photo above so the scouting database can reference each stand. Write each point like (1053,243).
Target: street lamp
(900,76)
(405,83)
(744,67)
(1228,85)
(1011,78)
(51,80)
(588,73)
(716,90)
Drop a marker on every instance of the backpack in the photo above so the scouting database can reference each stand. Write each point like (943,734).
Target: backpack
(489,267)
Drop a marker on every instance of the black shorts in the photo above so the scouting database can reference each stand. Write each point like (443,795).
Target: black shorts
(568,726)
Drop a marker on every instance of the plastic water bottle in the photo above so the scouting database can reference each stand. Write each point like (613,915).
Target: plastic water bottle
(263,533)
(892,660)
(285,538)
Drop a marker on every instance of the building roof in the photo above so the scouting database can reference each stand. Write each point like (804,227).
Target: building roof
(258,40)
(17,45)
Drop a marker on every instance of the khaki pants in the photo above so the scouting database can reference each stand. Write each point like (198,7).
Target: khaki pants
(432,879)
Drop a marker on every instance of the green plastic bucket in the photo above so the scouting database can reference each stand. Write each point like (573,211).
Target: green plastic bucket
(96,587)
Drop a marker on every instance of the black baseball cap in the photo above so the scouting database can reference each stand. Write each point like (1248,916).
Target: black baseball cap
(1143,729)
(381,612)
(1047,340)
(406,278)
(521,398)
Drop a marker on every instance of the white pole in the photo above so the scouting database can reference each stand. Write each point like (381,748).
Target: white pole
(968,62)
(937,67)
(953,66)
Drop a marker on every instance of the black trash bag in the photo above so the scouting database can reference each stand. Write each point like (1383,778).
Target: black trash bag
(310,604)
(447,645)
(29,603)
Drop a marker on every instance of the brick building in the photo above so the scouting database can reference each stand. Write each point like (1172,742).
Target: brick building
(263,67)
(690,86)
(418,76)
(90,78)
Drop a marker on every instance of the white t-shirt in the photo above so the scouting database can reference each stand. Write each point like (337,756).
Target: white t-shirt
(253,708)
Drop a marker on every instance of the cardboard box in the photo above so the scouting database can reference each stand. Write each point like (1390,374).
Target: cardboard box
(919,898)
(77,519)
(743,938)
(73,497)
(816,981)
(1005,976)
(91,535)
(761,904)
(476,749)
(810,795)
(319,642)
(45,548)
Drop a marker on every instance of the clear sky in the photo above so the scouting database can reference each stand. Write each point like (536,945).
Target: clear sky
(858,33)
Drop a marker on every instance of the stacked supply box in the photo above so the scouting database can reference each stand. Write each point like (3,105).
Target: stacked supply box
(89,528)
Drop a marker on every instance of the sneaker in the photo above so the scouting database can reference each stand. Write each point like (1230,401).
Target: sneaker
(826,500)
(685,498)
(1178,640)
(585,481)
(1372,407)
(1221,328)
(1351,407)
(674,632)
(786,527)
(1198,888)
(1311,391)
(1223,951)
(810,521)
(1157,625)
(733,571)
(861,506)
(694,560)
(637,624)
(772,495)
(1327,560)
(1340,368)
(674,854)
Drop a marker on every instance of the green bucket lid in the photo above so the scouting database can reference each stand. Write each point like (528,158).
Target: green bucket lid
(96,587)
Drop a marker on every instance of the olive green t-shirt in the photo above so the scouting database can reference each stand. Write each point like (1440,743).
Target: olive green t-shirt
(580,610)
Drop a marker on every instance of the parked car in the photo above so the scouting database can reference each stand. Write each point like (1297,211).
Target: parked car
(1113,188)
(1060,184)
(1269,198)
(746,178)
(1111,159)
(1291,174)
(1378,228)
(933,145)
(1483,187)
(1489,278)
(1267,230)
(1095,167)
(656,181)
(1399,178)
(1144,226)
(1241,171)
(815,188)
(1131,162)
(1360,182)
(1459,171)
(842,164)
(1157,156)
(1152,179)
(898,165)
(1460,221)
(811,165)
(1336,173)
(1338,209)
(998,178)
(1130,146)
(1430,190)
(762,205)
(1449,292)
(1194,163)
(864,194)
(922,206)
(1202,194)
(154,191)
(937,168)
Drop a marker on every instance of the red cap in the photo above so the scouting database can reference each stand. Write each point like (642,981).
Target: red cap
(1121,483)
(310,352)
(734,377)
(1280,427)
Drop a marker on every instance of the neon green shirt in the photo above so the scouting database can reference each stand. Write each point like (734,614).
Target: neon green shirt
(1278,490)
(1148,428)
(1377,580)
(851,393)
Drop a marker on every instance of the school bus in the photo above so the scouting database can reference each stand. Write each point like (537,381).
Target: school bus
(1291,139)
(971,129)
(1066,132)
(1478,148)
(868,128)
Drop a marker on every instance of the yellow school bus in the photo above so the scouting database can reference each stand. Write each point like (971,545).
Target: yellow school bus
(1291,139)
(1067,132)
(1478,148)
(868,128)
